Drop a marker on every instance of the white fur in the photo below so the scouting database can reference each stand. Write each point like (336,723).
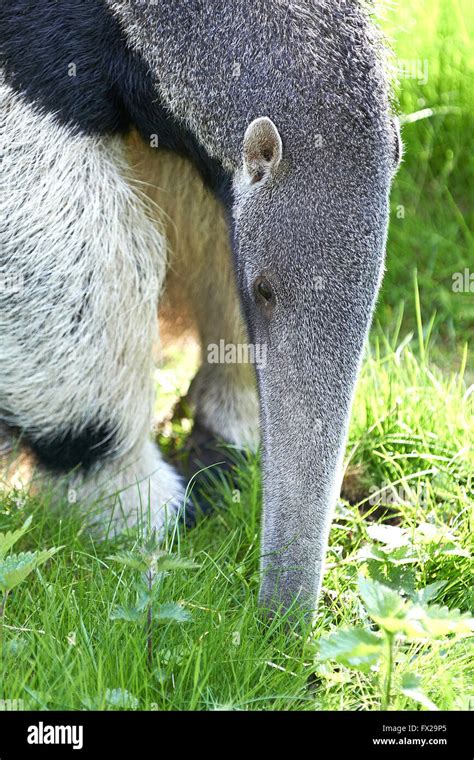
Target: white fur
(143,490)
(76,236)
(78,328)
(77,232)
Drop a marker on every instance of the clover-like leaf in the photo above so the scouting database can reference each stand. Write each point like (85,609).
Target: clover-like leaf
(355,648)
(121,699)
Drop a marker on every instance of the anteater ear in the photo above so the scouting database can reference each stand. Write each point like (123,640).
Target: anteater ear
(262,148)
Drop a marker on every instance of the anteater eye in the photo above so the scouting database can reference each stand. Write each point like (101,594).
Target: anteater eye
(264,291)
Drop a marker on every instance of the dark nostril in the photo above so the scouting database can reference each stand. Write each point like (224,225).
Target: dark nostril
(264,291)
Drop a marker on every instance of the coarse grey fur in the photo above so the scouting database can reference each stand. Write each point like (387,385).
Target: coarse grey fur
(312,220)
(292,99)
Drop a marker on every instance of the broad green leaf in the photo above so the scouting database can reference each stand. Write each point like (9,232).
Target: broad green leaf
(144,598)
(152,544)
(429,533)
(435,621)
(7,540)
(355,648)
(14,570)
(158,561)
(402,555)
(401,578)
(424,595)
(384,605)
(389,535)
(16,567)
(171,562)
(442,537)
(371,552)
(132,560)
(395,615)
(454,550)
(171,613)
(129,613)
(411,688)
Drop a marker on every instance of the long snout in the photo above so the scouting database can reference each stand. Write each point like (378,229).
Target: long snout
(306,392)
(302,470)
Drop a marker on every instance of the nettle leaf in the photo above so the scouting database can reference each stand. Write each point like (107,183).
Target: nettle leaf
(429,533)
(436,621)
(411,688)
(130,559)
(415,620)
(389,535)
(7,540)
(152,545)
(171,613)
(398,577)
(442,538)
(402,555)
(15,568)
(129,613)
(144,597)
(156,560)
(454,550)
(169,562)
(384,605)
(355,648)
(371,552)
(428,593)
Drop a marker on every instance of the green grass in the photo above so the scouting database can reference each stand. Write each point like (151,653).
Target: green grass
(410,437)
(410,446)
(432,219)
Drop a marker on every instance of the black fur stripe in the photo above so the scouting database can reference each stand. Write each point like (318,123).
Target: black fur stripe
(58,54)
(70,58)
(67,450)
